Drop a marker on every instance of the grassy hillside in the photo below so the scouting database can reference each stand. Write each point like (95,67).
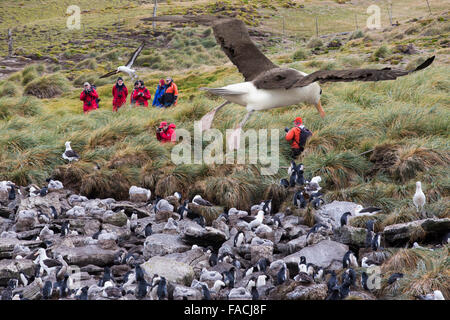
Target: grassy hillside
(405,121)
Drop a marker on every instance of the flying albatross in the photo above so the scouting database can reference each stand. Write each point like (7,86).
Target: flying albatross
(267,85)
(127,68)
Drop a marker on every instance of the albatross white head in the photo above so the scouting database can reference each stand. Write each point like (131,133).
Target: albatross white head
(419,186)
(68,146)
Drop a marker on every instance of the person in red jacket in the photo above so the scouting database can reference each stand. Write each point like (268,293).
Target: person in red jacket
(142,95)
(136,87)
(89,96)
(120,93)
(298,134)
(166,132)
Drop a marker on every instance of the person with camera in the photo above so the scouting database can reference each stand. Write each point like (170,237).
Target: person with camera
(141,95)
(166,132)
(136,87)
(170,96)
(120,93)
(89,97)
(298,135)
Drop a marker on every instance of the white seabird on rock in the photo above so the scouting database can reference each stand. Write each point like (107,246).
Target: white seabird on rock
(258,220)
(69,154)
(313,185)
(55,185)
(200,201)
(138,194)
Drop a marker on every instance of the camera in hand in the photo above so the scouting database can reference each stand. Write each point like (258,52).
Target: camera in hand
(286,129)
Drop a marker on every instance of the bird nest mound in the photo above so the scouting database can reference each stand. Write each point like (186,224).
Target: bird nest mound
(403,162)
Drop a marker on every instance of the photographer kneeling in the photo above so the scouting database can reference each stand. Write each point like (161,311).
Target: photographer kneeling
(298,134)
(165,132)
(89,97)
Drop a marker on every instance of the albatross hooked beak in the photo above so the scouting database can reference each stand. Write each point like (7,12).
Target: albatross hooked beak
(320,109)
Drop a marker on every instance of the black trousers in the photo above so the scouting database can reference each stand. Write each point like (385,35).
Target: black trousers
(296,152)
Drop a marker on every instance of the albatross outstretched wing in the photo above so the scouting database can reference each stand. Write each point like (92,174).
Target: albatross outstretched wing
(356,75)
(109,74)
(290,78)
(232,35)
(135,55)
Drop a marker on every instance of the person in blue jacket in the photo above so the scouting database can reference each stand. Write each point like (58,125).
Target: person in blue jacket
(159,94)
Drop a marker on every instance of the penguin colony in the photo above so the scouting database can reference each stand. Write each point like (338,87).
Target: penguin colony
(227,270)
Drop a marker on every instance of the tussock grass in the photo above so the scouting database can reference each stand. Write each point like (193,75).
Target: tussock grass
(404,162)
(10,89)
(308,216)
(234,191)
(403,260)
(360,222)
(25,107)
(87,64)
(277,193)
(47,86)
(402,215)
(337,169)
(300,54)
(314,43)
(432,272)
(104,184)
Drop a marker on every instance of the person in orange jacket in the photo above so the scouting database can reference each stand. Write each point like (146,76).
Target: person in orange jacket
(170,96)
(89,97)
(166,132)
(298,135)
(141,95)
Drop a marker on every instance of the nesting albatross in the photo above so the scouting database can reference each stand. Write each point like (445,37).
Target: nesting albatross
(69,154)
(267,85)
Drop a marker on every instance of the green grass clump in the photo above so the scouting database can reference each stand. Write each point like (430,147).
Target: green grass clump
(357,35)
(381,52)
(208,43)
(48,86)
(24,106)
(314,43)
(87,64)
(10,89)
(30,76)
(300,54)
